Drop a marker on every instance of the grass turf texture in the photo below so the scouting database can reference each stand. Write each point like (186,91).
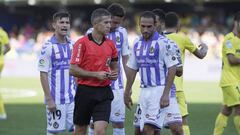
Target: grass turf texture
(26,115)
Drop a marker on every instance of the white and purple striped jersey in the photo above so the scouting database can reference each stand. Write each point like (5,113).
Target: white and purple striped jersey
(120,38)
(54,59)
(152,59)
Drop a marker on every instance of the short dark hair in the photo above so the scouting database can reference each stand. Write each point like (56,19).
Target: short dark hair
(98,13)
(171,20)
(160,13)
(116,9)
(237,16)
(148,14)
(60,15)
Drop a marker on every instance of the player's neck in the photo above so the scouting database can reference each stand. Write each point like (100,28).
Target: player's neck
(171,30)
(60,38)
(97,37)
(236,33)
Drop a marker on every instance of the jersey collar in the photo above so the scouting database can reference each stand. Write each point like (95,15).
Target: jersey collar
(90,37)
(54,40)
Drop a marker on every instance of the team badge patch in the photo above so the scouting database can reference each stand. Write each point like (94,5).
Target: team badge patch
(229,44)
(118,39)
(151,49)
(41,62)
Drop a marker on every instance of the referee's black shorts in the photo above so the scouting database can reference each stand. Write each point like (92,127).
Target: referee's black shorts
(92,101)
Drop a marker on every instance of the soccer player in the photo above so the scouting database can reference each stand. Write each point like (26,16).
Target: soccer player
(153,58)
(95,63)
(230,79)
(160,20)
(4,48)
(118,35)
(57,84)
(184,43)
(173,120)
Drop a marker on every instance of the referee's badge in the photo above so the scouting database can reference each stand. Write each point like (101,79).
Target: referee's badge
(229,44)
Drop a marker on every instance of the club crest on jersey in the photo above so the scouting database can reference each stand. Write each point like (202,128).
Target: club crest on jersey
(151,49)
(118,39)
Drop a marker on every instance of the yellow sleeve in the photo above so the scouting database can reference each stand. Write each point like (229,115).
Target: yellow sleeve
(189,45)
(228,46)
(4,35)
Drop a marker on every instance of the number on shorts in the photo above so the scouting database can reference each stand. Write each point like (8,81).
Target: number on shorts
(57,114)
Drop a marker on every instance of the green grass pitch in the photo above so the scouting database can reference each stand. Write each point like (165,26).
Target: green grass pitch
(26,113)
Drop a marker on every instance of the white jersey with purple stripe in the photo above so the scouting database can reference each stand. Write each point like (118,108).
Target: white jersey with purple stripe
(120,37)
(54,59)
(152,58)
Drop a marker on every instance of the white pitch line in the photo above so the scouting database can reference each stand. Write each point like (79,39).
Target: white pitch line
(17,93)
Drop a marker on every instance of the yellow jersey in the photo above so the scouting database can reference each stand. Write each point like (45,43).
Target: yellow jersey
(183,42)
(230,74)
(3,41)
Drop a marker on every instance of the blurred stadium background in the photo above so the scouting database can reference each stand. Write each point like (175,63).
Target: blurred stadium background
(28,25)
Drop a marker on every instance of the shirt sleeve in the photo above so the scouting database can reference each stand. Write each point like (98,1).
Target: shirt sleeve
(228,45)
(125,45)
(189,45)
(5,39)
(77,52)
(132,62)
(114,51)
(177,53)
(44,59)
(168,54)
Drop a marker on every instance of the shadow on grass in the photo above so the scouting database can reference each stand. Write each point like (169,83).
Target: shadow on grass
(29,119)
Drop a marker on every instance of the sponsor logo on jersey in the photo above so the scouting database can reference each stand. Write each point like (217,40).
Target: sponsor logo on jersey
(229,44)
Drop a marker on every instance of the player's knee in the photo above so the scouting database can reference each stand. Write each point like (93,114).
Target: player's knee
(99,131)
(118,125)
(226,110)
(80,130)
(176,129)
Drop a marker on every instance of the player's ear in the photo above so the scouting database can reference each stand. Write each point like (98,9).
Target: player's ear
(54,25)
